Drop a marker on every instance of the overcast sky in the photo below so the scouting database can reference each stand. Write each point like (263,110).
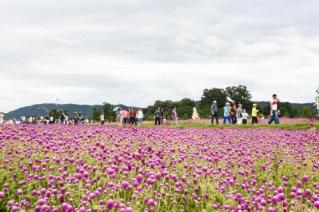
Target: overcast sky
(137,51)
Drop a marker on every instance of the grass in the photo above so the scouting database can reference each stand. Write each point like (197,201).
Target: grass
(285,126)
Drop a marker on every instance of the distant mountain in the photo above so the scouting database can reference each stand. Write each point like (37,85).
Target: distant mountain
(44,109)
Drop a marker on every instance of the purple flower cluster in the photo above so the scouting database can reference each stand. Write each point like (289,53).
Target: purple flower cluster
(89,168)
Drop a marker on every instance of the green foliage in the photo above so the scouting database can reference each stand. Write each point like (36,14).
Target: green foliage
(109,114)
(96,113)
(306,111)
(56,113)
(240,94)
(209,95)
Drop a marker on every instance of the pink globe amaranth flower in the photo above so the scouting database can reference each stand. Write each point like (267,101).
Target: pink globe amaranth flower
(307,193)
(293,194)
(305,178)
(19,192)
(299,192)
(316,204)
(15,209)
(2,195)
(125,185)
(151,202)
(299,184)
(215,206)
(45,208)
(281,197)
(41,201)
(82,209)
(110,204)
(271,209)
(139,178)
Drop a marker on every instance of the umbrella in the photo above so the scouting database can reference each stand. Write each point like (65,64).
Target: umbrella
(116,108)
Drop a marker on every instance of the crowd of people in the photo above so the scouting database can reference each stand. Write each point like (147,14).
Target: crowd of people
(233,113)
(128,116)
(62,119)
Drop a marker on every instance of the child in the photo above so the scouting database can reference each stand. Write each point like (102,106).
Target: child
(244,117)
(254,114)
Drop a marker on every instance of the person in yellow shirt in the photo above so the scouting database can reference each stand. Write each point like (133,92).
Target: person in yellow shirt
(254,113)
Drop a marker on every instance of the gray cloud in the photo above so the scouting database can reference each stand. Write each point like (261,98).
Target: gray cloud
(138,51)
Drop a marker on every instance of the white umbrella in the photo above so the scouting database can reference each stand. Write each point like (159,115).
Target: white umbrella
(116,108)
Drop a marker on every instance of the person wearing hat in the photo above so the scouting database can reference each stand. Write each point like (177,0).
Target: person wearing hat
(227,118)
(254,113)
(274,110)
(213,111)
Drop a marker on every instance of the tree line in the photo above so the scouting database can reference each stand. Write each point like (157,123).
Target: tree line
(238,94)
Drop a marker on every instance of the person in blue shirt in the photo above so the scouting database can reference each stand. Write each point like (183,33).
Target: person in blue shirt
(227,118)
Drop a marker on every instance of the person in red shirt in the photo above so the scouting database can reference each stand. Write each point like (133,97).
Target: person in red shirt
(132,114)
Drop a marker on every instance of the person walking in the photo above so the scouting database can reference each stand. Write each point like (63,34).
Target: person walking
(244,116)
(174,116)
(274,110)
(227,118)
(254,113)
(214,112)
(239,114)
(140,116)
(158,116)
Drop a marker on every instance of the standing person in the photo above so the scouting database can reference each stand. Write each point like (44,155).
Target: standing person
(118,116)
(140,116)
(254,113)
(132,114)
(158,116)
(125,116)
(102,118)
(244,116)
(174,116)
(214,112)
(195,115)
(274,110)
(162,116)
(227,118)
(239,114)
(1,118)
(233,111)
(122,112)
(62,118)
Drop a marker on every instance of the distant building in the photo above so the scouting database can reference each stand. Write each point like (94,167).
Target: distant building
(1,117)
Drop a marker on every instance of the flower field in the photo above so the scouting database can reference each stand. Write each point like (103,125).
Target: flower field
(90,168)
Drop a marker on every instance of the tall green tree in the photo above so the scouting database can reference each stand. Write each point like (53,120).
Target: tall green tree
(239,94)
(96,113)
(209,95)
(109,114)
(185,108)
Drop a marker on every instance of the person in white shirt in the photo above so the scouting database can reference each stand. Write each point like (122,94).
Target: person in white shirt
(244,116)
(274,110)
(139,116)
(239,114)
